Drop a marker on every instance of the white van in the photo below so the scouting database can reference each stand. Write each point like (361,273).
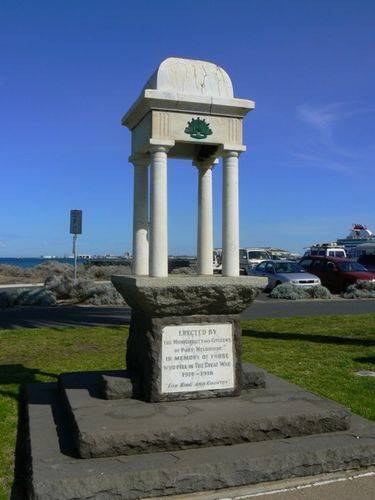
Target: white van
(251,257)
(326,250)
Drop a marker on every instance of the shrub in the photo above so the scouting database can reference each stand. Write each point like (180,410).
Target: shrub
(52,268)
(38,297)
(105,272)
(15,271)
(84,291)
(293,292)
(89,292)
(319,292)
(83,288)
(61,286)
(366,285)
(183,270)
(288,291)
(7,299)
(361,290)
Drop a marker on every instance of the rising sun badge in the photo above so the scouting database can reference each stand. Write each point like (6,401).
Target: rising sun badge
(198,128)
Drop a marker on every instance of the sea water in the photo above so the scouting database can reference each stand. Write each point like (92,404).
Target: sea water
(34,261)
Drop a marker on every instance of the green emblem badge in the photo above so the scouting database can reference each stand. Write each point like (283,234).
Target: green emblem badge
(198,128)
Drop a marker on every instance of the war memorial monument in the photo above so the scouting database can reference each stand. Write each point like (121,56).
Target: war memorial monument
(186,415)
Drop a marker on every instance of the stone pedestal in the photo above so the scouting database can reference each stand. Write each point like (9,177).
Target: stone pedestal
(83,446)
(185,336)
(185,357)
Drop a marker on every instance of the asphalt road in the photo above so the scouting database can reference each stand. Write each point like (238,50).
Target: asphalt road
(263,307)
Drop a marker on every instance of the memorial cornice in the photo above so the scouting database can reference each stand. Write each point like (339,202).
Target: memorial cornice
(167,101)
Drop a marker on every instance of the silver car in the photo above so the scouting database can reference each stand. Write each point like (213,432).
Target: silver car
(284,271)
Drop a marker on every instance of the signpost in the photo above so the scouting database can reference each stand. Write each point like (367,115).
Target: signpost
(75,228)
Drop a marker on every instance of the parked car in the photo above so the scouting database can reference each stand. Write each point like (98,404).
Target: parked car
(250,257)
(364,254)
(284,271)
(336,274)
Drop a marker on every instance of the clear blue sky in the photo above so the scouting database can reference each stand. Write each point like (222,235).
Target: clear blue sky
(70,69)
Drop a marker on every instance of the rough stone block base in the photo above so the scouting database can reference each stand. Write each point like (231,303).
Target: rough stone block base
(122,384)
(57,474)
(129,426)
(144,348)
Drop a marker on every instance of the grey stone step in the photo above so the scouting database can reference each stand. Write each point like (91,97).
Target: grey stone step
(122,384)
(56,473)
(129,426)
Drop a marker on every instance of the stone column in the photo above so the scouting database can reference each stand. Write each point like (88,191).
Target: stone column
(159,216)
(230,218)
(140,214)
(205,230)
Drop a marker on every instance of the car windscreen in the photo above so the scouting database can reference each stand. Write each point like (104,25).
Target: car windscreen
(288,267)
(258,255)
(339,253)
(351,266)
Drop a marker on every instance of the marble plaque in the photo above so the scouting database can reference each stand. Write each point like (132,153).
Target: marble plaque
(197,358)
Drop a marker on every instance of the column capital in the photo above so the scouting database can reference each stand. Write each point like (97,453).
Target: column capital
(160,145)
(140,159)
(230,153)
(206,164)
(159,149)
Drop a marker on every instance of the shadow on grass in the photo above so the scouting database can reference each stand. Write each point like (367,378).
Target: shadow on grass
(309,337)
(20,375)
(370,360)
(20,472)
(39,317)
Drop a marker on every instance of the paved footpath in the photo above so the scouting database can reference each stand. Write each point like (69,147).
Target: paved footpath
(263,307)
(349,485)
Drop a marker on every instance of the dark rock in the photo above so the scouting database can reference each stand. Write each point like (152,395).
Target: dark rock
(189,295)
(56,474)
(118,386)
(252,376)
(129,426)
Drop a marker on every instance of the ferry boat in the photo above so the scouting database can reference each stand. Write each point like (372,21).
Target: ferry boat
(358,234)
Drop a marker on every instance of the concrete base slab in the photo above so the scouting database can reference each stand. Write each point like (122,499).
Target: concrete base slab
(128,426)
(56,473)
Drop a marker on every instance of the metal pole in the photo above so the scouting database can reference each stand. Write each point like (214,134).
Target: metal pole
(75,256)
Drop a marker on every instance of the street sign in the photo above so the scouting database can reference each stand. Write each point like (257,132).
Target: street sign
(75,228)
(76,222)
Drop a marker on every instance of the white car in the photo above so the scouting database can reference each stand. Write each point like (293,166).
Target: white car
(284,271)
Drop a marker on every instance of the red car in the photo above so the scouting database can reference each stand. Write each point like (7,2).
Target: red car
(336,273)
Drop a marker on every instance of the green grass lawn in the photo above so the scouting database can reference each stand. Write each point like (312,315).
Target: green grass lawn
(320,354)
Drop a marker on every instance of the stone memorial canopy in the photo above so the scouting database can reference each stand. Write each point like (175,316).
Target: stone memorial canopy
(177,90)
(187,109)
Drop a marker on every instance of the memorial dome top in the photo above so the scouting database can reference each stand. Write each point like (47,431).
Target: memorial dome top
(192,78)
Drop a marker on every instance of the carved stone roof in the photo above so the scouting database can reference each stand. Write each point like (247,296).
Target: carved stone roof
(191,78)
